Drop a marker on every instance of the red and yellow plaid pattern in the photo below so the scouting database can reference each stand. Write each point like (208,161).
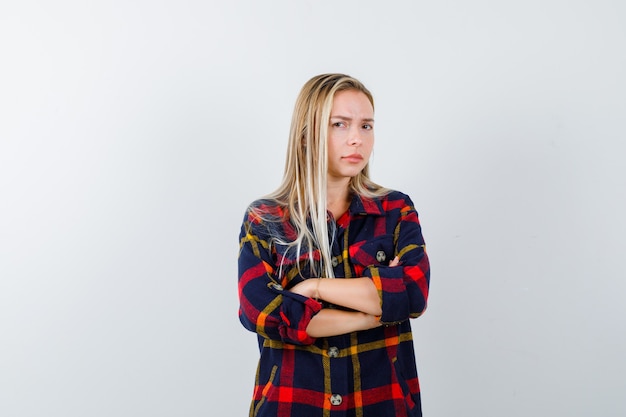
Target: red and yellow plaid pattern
(368,373)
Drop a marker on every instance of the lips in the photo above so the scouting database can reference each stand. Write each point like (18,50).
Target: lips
(355,158)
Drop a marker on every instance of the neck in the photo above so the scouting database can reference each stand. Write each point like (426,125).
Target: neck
(337,198)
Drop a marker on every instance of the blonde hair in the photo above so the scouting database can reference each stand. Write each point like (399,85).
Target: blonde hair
(303,189)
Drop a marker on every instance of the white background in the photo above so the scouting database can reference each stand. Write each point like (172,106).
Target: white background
(134,133)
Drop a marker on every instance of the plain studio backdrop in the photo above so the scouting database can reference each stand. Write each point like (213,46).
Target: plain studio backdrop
(134,133)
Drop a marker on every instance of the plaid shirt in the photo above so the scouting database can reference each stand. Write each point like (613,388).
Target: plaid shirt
(368,373)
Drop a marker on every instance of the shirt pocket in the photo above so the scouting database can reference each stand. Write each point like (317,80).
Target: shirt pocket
(377,251)
(291,269)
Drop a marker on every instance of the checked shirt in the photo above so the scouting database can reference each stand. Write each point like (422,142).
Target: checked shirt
(368,373)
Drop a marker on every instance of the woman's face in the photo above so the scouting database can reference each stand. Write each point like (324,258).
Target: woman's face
(350,135)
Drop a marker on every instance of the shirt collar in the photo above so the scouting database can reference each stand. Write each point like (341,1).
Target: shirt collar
(365,205)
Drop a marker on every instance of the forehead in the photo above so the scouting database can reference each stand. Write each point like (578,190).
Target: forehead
(353,102)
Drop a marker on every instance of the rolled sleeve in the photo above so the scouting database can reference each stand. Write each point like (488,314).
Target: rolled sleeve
(265,307)
(403,289)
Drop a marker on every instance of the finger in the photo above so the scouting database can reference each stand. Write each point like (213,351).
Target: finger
(395,261)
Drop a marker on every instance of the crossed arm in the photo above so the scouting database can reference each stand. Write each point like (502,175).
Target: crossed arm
(358,294)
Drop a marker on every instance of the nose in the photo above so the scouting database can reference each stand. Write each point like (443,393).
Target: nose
(354,137)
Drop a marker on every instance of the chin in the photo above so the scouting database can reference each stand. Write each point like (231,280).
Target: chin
(352,174)
(347,173)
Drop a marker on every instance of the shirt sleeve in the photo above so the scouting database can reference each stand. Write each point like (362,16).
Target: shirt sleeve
(403,289)
(264,306)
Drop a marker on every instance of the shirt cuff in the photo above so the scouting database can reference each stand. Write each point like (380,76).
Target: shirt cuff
(394,300)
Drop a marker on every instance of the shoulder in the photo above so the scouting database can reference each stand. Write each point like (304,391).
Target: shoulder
(265,206)
(395,195)
(393,199)
(390,203)
(265,211)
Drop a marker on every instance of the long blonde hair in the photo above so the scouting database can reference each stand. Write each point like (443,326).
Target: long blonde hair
(303,189)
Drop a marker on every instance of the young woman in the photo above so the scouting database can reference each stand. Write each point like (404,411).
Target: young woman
(331,268)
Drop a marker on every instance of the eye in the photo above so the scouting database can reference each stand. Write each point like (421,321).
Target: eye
(367,126)
(339,124)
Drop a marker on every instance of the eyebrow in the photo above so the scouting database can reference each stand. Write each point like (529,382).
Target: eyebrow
(368,119)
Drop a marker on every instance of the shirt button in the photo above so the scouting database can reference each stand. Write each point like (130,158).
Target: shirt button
(333,352)
(334,261)
(381,256)
(277,287)
(336,399)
